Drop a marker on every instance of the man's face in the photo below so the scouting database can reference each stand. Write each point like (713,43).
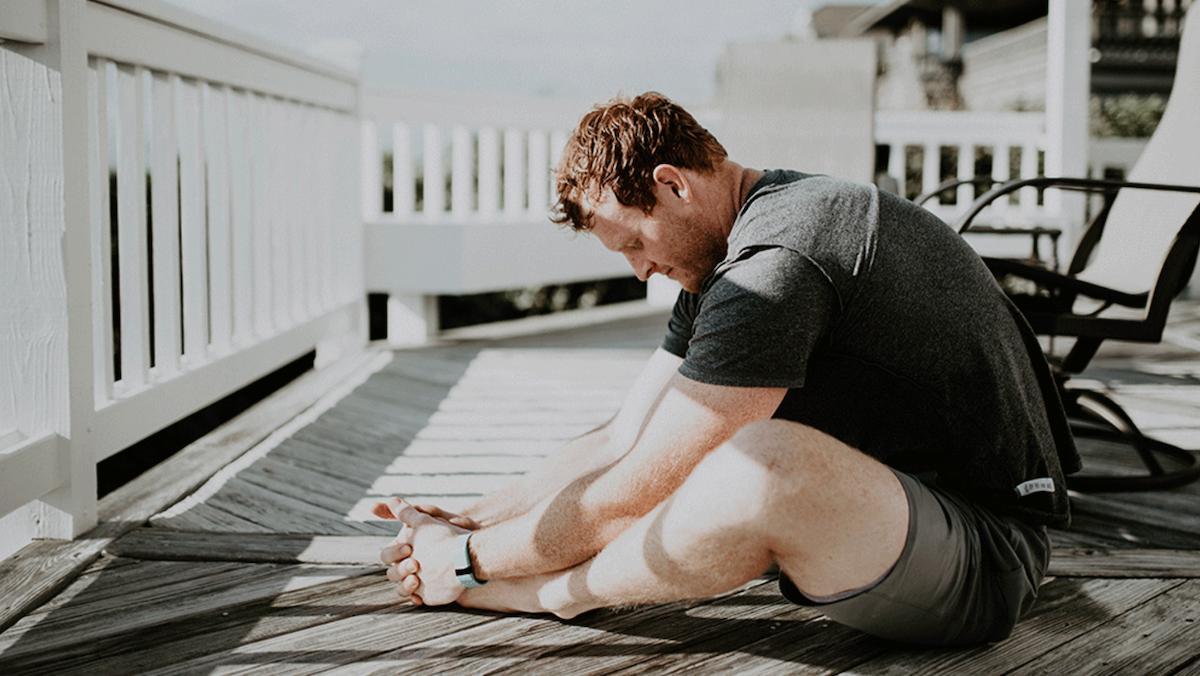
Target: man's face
(671,240)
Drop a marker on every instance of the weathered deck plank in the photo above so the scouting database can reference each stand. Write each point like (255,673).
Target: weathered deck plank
(37,572)
(137,613)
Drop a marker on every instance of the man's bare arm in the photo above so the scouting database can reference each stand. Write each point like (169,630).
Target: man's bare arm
(583,455)
(686,422)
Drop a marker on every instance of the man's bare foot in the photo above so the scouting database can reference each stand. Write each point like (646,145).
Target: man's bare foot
(533,594)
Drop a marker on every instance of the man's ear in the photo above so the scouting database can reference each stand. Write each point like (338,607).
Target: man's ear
(669,177)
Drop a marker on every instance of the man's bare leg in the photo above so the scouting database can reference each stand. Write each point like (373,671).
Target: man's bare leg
(834,518)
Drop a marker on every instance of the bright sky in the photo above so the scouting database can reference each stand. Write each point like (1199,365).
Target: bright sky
(560,48)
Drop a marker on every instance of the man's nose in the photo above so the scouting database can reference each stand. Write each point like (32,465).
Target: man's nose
(642,268)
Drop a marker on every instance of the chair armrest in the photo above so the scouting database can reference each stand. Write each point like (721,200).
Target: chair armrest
(1065,283)
(954,183)
(1106,186)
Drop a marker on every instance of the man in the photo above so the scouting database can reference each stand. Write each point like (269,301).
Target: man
(843,390)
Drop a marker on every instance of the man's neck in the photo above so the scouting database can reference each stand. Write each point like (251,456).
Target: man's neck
(750,178)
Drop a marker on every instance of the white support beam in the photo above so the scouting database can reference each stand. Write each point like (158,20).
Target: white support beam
(24,21)
(1068,84)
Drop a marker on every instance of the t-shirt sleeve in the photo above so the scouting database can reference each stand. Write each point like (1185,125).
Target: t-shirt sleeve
(679,327)
(759,320)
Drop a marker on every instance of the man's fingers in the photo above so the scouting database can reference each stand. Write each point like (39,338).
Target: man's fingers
(449,517)
(404,570)
(394,553)
(404,511)
(382,511)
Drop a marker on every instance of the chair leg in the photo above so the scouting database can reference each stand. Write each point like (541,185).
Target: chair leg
(1080,355)
(1118,426)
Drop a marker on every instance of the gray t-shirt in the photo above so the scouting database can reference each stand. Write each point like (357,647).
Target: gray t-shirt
(891,335)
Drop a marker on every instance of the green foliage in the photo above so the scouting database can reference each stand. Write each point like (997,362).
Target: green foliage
(1127,115)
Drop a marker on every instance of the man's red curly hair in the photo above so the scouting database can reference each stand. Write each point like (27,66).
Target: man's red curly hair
(618,144)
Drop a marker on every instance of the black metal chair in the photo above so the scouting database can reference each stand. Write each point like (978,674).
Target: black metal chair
(1076,304)
(1134,258)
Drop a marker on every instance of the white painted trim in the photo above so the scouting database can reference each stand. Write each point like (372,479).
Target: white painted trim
(30,469)
(133,39)
(472,110)
(456,258)
(140,414)
(24,21)
(181,19)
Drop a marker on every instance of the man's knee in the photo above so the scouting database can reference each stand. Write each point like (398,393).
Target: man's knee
(786,447)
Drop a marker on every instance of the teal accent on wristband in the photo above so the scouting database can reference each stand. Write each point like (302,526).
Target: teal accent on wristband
(463,570)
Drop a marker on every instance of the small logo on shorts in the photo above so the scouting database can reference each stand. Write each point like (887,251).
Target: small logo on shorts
(1036,486)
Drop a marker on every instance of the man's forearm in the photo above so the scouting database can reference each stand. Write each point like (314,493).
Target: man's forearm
(576,458)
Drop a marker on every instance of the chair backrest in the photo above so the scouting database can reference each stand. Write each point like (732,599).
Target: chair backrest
(1142,224)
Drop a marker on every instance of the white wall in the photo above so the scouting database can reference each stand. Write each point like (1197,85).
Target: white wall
(800,105)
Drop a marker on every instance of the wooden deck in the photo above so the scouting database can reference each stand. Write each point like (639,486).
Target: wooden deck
(253,551)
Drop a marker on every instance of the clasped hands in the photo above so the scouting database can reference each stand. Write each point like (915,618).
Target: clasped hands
(421,558)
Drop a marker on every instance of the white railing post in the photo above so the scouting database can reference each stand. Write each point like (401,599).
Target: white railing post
(72,508)
(46,332)
(1068,78)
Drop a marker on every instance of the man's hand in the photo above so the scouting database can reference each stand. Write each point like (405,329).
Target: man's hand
(421,559)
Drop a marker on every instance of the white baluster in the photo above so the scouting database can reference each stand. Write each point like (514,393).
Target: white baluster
(966,171)
(435,173)
(514,173)
(220,274)
(489,173)
(193,244)
(164,197)
(241,216)
(260,180)
(1029,169)
(404,197)
(539,169)
(101,223)
(1001,171)
(371,170)
(898,166)
(131,224)
(931,170)
(461,182)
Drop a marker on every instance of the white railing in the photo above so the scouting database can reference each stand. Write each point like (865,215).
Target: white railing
(471,188)
(230,246)
(926,148)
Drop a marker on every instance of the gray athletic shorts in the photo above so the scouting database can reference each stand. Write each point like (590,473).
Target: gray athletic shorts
(966,575)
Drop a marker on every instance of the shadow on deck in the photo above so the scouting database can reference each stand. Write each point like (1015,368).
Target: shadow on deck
(269,565)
